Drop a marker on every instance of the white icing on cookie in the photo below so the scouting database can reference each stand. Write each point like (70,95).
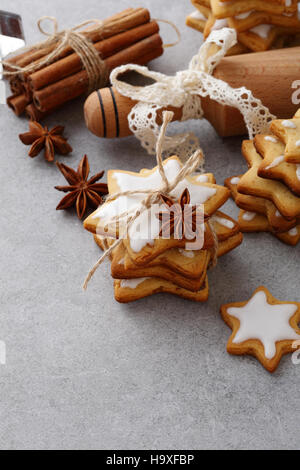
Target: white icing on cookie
(186,253)
(122,261)
(139,231)
(293,232)
(225,222)
(202,179)
(277,213)
(298,143)
(288,124)
(270,138)
(275,162)
(197,15)
(219,24)
(262,30)
(132,283)
(235,180)
(265,322)
(243,16)
(298,171)
(248,216)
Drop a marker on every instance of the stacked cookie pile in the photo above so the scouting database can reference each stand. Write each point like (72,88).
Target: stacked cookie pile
(145,262)
(260,25)
(269,192)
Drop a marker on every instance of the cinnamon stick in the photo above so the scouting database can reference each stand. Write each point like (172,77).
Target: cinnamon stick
(69,88)
(120,22)
(34,114)
(72,63)
(17,103)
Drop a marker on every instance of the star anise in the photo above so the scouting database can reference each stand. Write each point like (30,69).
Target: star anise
(180,218)
(83,192)
(40,137)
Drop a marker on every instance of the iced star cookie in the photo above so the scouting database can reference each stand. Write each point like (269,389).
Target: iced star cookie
(228,9)
(247,21)
(288,131)
(128,290)
(185,268)
(274,165)
(263,327)
(142,245)
(197,20)
(259,205)
(286,202)
(253,222)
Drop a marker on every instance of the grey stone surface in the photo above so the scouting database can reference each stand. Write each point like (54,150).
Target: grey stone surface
(85,372)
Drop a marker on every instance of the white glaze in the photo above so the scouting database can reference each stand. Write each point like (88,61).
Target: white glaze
(219,24)
(275,162)
(198,15)
(270,138)
(298,143)
(248,216)
(225,222)
(277,213)
(293,232)
(122,261)
(235,180)
(202,179)
(132,283)
(265,322)
(186,253)
(243,16)
(139,231)
(262,30)
(288,124)
(298,171)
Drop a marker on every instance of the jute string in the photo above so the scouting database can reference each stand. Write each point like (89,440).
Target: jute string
(154,196)
(93,64)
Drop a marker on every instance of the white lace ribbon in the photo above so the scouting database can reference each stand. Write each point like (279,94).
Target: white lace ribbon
(184,90)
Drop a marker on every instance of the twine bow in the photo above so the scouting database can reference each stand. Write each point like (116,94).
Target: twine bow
(58,41)
(185,90)
(153,196)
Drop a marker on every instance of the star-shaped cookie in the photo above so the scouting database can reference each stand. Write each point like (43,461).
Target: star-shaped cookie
(274,165)
(288,131)
(253,222)
(263,327)
(286,202)
(143,242)
(259,205)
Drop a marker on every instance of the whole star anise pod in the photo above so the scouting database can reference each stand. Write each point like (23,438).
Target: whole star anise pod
(180,218)
(40,137)
(82,192)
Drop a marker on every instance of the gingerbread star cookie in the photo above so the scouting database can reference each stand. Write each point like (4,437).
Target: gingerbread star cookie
(143,241)
(286,202)
(276,222)
(274,165)
(288,131)
(263,327)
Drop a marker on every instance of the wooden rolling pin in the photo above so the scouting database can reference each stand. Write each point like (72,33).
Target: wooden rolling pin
(269,75)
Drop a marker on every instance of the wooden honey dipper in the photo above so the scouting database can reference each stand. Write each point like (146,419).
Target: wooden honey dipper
(269,75)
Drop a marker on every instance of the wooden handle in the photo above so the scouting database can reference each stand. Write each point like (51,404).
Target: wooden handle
(269,75)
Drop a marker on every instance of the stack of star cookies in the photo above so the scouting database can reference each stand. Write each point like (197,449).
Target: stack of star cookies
(269,192)
(260,25)
(146,261)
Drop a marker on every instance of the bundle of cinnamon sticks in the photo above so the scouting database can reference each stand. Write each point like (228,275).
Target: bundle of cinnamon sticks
(127,37)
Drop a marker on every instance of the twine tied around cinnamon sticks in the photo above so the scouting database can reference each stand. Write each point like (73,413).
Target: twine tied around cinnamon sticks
(154,196)
(82,46)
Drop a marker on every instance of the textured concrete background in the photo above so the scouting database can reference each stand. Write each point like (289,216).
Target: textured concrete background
(85,372)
